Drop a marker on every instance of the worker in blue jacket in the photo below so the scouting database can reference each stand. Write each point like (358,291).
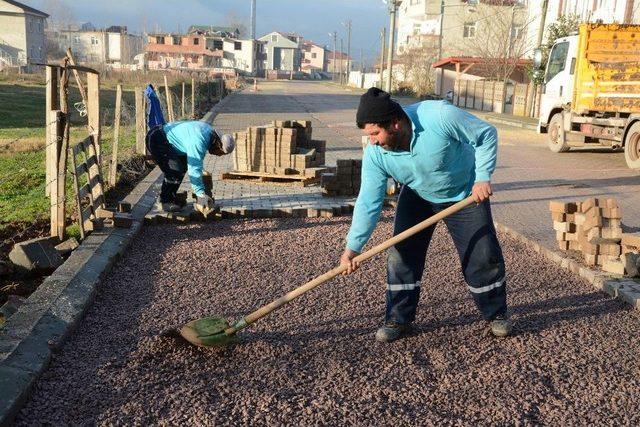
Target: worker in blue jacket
(179,148)
(441,155)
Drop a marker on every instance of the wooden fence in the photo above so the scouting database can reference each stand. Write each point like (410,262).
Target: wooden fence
(494,96)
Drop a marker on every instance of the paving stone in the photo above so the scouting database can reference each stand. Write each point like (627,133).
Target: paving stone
(36,255)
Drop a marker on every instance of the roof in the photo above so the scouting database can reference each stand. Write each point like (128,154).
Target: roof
(26,8)
(213,29)
(339,56)
(474,60)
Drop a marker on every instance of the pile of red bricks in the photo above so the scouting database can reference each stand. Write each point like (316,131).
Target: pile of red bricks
(282,148)
(594,228)
(344,180)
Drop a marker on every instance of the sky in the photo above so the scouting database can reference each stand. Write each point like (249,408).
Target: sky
(313,19)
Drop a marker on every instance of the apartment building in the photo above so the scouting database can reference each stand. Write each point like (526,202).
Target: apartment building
(22,39)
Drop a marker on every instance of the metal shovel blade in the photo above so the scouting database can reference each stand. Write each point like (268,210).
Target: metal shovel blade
(208,332)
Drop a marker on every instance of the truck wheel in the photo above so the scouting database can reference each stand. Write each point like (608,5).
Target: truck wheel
(556,142)
(632,146)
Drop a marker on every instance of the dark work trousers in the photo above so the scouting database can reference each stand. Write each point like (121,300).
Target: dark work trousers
(172,163)
(475,239)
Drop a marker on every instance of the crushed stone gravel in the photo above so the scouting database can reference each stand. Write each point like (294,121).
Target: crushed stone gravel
(573,358)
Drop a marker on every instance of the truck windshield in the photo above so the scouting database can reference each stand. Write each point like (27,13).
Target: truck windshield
(557,60)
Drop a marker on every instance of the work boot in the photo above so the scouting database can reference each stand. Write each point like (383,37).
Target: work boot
(500,326)
(171,207)
(392,331)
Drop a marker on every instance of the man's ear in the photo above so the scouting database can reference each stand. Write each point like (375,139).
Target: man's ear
(395,124)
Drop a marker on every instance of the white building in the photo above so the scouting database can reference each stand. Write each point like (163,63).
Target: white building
(606,11)
(21,34)
(244,55)
(113,46)
(415,19)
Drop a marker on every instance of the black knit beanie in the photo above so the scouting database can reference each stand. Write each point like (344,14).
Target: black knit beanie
(376,106)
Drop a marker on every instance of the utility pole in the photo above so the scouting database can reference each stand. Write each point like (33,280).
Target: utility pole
(393,7)
(348,51)
(253,19)
(333,63)
(361,61)
(341,60)
(543,17)
(441,72)
(508,58)
(383,39)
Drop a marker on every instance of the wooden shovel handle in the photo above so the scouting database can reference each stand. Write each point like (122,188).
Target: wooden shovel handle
(264,310)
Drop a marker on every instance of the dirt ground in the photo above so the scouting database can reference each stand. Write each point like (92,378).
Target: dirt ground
(573,358)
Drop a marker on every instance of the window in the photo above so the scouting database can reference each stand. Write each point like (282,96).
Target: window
(274,38)
(470,30)
(416,28)
(160,40)
(237,45)
(76,40)
(176,40)
(217,45)
(414,2)
(517,32)
(196,42)
(94,41)
(314,55)
(557,60)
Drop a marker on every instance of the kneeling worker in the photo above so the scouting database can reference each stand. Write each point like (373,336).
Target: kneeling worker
(441,155)
(179,148)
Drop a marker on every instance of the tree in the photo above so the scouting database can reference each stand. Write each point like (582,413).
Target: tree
(60,15)
(415,63)
(495,31)
(563,27)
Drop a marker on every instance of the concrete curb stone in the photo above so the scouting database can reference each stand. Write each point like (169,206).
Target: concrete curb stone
(52,312)
(625,289)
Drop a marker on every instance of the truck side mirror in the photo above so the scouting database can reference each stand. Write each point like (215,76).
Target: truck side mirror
(537,59)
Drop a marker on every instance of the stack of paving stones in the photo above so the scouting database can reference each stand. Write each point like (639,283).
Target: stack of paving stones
(593,227)
(344,180)
(282,148)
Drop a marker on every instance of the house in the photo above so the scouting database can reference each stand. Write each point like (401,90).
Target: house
(112,46)
(21,35)
(282,51)
(246,56)
(342,60)
(180,51)
(314,58)
(211,30)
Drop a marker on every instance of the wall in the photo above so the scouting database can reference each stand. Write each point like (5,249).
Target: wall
(13,36)
(364,80)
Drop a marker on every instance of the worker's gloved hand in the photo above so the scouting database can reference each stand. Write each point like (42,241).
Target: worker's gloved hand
(204,204)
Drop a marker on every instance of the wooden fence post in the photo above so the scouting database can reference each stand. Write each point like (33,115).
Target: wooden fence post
(169,100)
(93,111)
(76,74)
(52,103)
(183,89)
(140,122)
(193,98)
(113,170)
(55,125)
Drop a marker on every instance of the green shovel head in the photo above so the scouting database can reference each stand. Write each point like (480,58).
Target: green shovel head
(208,332)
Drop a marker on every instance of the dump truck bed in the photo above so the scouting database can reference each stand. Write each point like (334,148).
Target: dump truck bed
(608,69)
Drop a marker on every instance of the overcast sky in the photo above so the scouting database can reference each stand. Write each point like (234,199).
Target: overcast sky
(313,19)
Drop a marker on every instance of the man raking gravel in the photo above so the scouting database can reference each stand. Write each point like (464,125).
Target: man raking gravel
(441,155)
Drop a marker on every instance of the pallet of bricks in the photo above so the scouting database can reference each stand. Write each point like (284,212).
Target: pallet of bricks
(344,180)
(284,150)
(594,228)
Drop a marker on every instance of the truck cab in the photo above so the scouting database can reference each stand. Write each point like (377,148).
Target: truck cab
(559,80)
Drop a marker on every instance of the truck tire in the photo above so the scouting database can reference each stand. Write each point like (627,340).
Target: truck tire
(556,142)
(632,146)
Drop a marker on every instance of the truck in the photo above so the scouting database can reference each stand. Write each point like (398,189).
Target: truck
(591,91)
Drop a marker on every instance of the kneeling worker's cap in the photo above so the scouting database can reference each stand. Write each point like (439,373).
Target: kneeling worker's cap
(227,143)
